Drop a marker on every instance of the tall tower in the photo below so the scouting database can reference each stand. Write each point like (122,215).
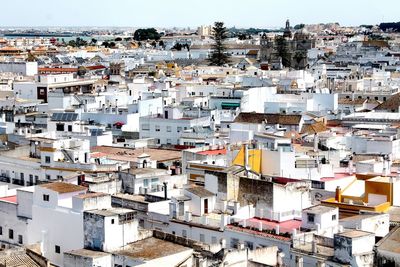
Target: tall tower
(287,33)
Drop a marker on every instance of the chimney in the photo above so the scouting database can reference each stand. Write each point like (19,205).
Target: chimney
(351,166)
(316,142)
(314,247)
(260,226)
(223,243)
(277,230)
(165,190)
(338,194)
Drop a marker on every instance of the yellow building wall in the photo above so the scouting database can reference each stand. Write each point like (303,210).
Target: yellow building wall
(378,188)
(254,159)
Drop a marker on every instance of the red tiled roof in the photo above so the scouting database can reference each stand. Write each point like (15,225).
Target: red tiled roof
(58,69)
(12,199)
(213,152)
(98,67)
(286,226)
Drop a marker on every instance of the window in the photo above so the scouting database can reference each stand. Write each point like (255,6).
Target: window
(47,159)
(249,245)
(20,240)
(157,127)
(310,217)
(1,230)
(178,129)
(112,221)
(145,183)
(213,240)
(11,234)
(22,176)
(46,197)
(169,129)
(168,141)
(57,249)
(234,243)
(69,128)
(202,238)
(145,127)
(48,177)
(334,217)
(184,234)
(60,127)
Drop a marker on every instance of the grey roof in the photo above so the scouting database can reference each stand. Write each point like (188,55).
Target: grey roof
(391,242)
(200,191)
(111,212)
(64,116)
(87,253)
(319,209)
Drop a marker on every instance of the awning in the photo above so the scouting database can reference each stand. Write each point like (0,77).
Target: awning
(228,105)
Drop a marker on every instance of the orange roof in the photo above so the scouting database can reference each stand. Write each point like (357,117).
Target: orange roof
(9,48)
(213,152)
(57,69)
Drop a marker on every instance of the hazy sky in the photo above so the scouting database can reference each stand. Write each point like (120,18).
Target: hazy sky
(166,13)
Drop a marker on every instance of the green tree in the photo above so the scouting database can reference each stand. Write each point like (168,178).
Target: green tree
(146,34)
(72,43)
(218,55)
(118,39)
(282,50)
(106,44)
(299,26)
(177,46)
(93,41)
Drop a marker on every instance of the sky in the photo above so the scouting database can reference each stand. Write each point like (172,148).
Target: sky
(192,13)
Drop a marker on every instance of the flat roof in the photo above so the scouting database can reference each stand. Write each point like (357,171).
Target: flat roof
(87,253)
(319,209)
(131,154)
(200,191)
(213,152)
(138,171)
(90,195)
(355,233)
(150,248)
(111,212)
(63,188)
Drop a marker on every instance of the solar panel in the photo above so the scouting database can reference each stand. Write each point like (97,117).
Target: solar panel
(64,116)
(96,132)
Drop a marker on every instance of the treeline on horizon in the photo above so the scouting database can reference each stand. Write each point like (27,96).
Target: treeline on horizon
(393,26)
